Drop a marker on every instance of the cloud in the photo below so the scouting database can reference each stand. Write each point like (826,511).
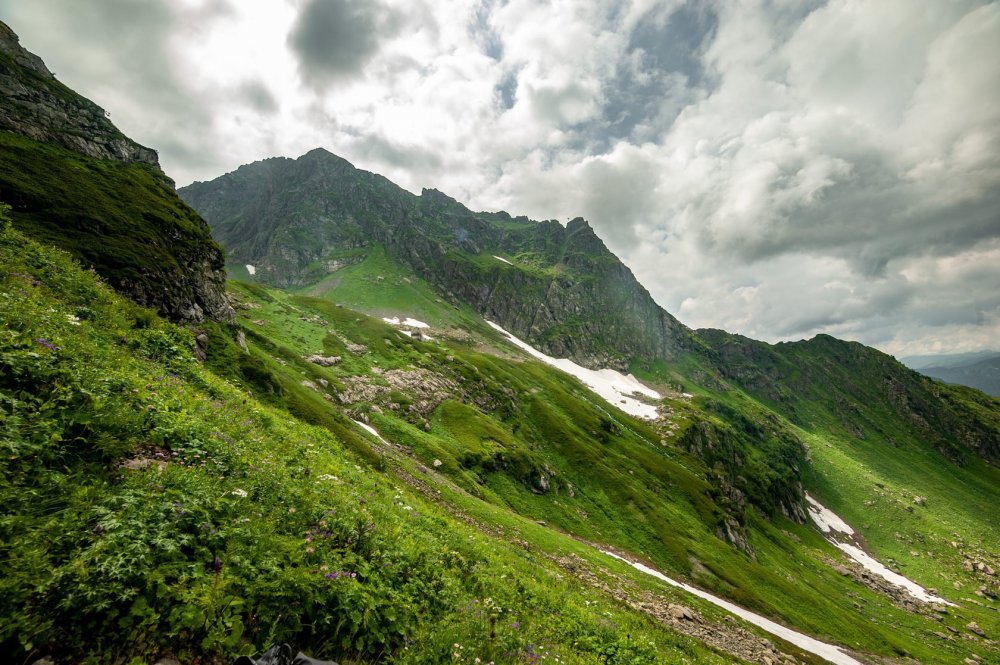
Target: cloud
(333,39)
(774,168)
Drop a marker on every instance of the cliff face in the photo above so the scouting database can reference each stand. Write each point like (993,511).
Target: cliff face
(567,293)
(74,180)
(40,107)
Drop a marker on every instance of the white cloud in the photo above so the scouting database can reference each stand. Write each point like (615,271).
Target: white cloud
(791,169)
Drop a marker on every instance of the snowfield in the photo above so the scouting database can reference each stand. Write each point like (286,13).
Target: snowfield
(251,269)
(408,322)
(830,523)
(500,258)
(812,645)
(616,388)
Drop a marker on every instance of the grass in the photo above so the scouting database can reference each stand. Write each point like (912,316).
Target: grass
(234,526)
(628,490)
(106,559)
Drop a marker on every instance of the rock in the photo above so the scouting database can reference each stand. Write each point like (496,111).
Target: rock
(44,660)
(310,385)
(437,463)
(679,612)
(974,628)
(241,339)
(970,661)
(919,500)
(967,566)
(323,361)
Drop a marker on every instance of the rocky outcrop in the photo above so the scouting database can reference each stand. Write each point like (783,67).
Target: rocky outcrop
(75,181)
(40,107)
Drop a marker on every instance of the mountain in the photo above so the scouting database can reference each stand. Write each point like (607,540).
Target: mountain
(296,221)
(946,359)
(73,179)
(366,464)
(977,370)
(982,375)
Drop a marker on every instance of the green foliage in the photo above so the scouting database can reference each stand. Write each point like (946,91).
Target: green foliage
(150,507)
(121,219)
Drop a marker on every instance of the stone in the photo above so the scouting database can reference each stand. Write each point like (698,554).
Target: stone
(323,361)
(974,628)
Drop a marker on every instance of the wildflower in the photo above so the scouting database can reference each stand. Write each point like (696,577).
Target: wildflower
(74,320)
(48,345)
(291,510)
(240,493)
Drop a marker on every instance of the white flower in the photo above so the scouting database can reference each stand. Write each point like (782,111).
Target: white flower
(239,493)
(75,320)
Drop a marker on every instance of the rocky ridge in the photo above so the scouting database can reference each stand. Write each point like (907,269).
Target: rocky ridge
(40,107)
(75,181)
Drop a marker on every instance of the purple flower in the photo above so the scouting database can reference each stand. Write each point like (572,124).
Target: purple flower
(48,345)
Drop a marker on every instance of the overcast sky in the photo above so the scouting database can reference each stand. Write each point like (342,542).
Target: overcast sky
(774,168)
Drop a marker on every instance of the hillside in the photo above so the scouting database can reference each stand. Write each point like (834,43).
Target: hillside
(74,180)
(407,432)
(261,512)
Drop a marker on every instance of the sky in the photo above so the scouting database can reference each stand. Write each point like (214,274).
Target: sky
(773,168)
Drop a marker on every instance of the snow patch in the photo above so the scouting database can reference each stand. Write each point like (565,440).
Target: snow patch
(408,322)
(830,523)
(814,646)
(251,269)
(500,258)
(371,430)
(616,388)
(826,519)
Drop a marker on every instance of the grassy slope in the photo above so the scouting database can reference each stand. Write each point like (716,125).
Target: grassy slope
(627,491)
(381,287)
(120,218)
(71,415)
(227,540)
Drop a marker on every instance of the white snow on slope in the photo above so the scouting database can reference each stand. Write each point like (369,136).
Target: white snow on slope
(251,269)
(615,387)
(408,322)
(371,430)
(500,258)
(812,645)
(826,519)
(830,523)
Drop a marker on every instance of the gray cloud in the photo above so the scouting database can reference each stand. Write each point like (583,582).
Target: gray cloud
(333,39)
(776,169)
(257,94)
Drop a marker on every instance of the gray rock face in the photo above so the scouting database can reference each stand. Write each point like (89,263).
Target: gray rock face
(40,107)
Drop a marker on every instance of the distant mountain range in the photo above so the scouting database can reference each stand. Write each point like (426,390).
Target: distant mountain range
(980,370)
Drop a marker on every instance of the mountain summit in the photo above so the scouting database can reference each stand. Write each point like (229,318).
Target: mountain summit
(558,286)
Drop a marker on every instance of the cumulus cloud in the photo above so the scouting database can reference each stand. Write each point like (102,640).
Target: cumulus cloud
(774,168)
(335,38)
